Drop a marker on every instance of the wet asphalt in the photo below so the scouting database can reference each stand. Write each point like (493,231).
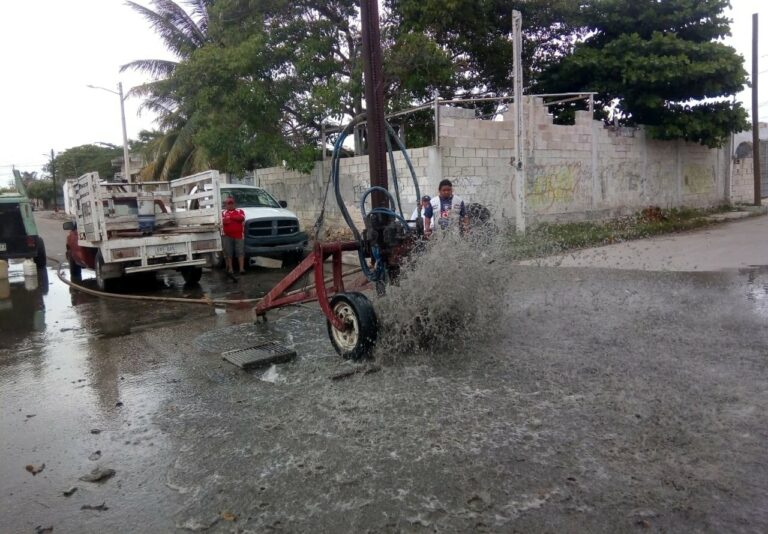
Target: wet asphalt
(608,401)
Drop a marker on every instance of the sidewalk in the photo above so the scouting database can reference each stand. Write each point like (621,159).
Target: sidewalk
(730,245)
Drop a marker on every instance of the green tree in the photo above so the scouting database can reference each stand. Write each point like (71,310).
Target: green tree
(660,64)
(271,73)
(475,37)
(41,190)
(76,161)
(182,32)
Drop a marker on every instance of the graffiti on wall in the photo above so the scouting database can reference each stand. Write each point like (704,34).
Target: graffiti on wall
(698,178)
(553,184)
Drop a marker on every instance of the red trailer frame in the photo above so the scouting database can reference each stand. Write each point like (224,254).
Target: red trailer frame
(277,297)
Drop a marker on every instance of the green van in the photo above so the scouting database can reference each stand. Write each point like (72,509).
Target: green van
(18,231)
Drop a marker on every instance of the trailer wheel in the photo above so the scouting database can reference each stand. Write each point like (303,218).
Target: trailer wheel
(358,339)
(191,275)
(75,271)
(102,283)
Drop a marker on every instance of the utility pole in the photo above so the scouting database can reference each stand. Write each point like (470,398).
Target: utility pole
(755,115)
(374,99)
(126,155)
(52,166)
(517,73)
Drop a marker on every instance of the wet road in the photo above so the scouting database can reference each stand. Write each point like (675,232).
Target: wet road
(607,401)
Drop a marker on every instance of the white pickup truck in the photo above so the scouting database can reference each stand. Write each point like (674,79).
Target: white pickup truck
(121,229)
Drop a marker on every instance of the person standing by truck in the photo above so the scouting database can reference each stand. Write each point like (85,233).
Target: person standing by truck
(233,235)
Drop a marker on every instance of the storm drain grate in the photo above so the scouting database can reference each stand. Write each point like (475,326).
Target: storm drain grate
(259,355)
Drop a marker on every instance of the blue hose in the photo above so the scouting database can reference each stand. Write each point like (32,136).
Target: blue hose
(379,273)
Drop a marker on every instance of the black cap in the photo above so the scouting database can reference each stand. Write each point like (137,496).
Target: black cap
(425,197)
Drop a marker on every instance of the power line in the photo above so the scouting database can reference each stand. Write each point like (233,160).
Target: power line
(24,164)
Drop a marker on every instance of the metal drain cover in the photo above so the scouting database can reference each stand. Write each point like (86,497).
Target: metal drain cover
(259,355)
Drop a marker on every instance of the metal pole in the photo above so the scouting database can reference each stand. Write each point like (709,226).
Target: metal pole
(755,115)
(437,120)
(517,41)
(374,99)
(53,176)
(126,156)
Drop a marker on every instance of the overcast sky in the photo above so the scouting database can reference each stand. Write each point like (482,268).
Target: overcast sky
(52,49)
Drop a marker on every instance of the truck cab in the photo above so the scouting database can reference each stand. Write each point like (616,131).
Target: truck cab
(270,228)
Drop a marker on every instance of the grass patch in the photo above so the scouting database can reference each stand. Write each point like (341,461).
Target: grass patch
(547,239)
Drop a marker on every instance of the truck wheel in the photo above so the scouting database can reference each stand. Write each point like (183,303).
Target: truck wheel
(358,339)
(40,260)
(191,275)
(102,283)
(75,272)
(293,257)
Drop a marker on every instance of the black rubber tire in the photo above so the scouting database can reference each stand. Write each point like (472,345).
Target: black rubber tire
(104,285)
(41,260)
(293,257)
(191,275)
(75,271)
(358,312)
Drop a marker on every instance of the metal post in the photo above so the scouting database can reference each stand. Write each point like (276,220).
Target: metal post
(755,115)
(322,140)
(53,175)
(126,156)
(437,120)
(517,41)
(596,189)
(374,99)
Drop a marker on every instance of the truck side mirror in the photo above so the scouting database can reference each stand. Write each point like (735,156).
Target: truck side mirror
(283,204)
(69,225)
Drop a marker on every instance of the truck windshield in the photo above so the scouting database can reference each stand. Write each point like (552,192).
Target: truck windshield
(249,198)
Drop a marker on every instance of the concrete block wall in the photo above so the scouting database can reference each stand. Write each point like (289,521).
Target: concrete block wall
(579,171)
(475,155)
(743,181)
(305,192)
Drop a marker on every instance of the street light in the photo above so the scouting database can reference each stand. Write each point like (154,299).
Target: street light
(119,93)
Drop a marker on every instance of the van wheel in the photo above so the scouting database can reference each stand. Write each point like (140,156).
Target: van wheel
(103,284)
(40,260)
(75,271)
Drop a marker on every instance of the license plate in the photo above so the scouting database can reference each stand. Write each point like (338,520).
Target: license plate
(3,247)
(166,250)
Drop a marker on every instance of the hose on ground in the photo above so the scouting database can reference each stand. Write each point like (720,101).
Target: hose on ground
(148,298)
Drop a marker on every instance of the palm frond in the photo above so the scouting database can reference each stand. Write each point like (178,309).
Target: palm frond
(156,68)
(179,152)
(175,39)
(174,13)
(199,10)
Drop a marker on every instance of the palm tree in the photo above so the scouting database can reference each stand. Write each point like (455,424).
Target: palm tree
(183,32)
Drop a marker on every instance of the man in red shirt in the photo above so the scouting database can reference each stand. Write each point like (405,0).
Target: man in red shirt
(233,235)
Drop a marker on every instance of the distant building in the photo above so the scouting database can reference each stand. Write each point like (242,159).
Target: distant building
(137,163)
(742,149)
(741,138)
